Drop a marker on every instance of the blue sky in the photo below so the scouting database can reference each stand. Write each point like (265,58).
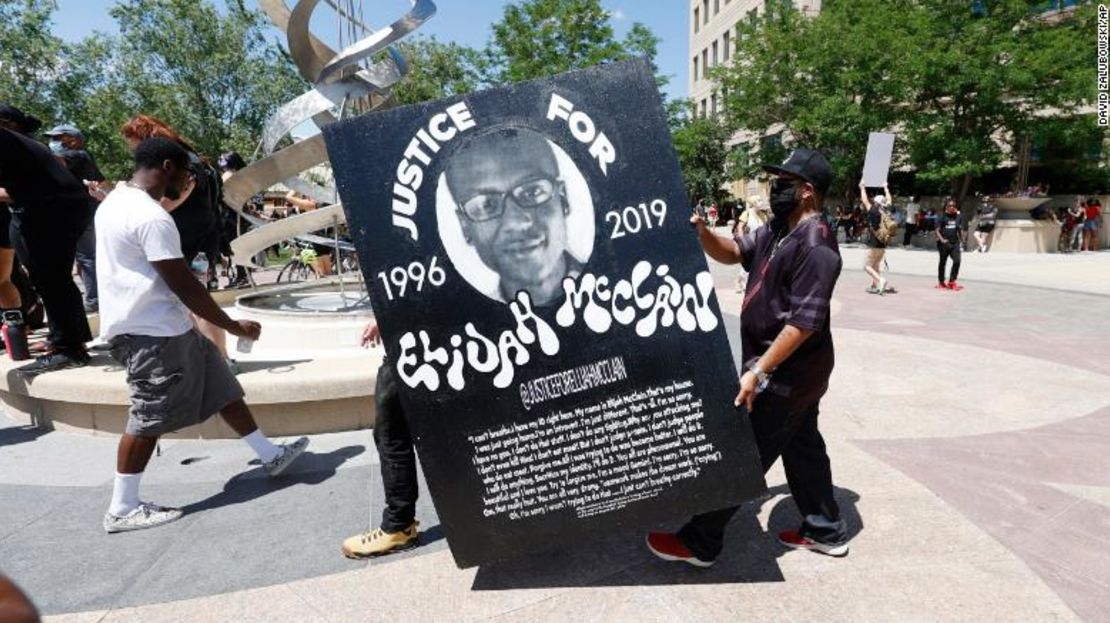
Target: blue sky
(464,21)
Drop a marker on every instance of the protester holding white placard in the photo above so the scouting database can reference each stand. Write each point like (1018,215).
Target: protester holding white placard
(880,229)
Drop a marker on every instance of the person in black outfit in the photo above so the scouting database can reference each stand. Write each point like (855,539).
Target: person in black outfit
(230,222)
(50,211)
(788,357)
(399,528)
(12,301)
(950,232)
(67,142)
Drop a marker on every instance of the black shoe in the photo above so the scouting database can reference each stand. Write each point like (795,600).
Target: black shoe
(57,360)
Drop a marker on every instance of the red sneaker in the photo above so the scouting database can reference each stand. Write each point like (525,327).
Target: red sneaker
(794,540)
(941,286)
(952,285)
(667,546)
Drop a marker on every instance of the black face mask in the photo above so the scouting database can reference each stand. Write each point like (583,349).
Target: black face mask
(783,200)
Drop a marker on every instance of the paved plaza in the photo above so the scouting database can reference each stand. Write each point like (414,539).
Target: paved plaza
(970,441)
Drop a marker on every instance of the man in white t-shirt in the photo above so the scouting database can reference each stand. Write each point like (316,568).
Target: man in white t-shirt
(177,377)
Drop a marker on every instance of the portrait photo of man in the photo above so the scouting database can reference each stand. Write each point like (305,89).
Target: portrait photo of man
(513,205)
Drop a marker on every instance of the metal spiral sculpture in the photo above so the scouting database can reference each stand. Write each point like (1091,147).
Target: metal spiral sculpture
(341,80)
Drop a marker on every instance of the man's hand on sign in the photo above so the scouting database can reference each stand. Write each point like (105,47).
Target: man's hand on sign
(371,335)
(748,384)
(698,221)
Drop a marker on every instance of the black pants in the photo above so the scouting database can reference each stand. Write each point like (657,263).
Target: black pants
(396,453)
(947,250)
(793,435)
(45,239)
(907,237)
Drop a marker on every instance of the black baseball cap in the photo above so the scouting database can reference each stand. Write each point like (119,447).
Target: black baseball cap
(27,123)
(808,164)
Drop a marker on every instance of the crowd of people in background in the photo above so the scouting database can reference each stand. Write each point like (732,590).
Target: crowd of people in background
(142,271)
(50,190)
(1080,225)
(874,222)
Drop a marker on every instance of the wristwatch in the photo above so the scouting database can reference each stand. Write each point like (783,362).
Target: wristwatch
(763,378)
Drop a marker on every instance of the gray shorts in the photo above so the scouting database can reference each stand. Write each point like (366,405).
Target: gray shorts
(175,381)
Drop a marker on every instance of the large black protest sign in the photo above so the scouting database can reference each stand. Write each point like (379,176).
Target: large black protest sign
(559,350)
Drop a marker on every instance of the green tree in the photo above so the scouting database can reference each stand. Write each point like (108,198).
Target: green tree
(979,77)
(700,144)
(538,38)
(29,55)
(819,82)
(214,76)
(437,70)
(950,79)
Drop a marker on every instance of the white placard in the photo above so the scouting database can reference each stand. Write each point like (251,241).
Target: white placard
(876,167)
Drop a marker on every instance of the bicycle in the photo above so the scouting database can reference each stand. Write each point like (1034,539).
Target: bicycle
(299,267)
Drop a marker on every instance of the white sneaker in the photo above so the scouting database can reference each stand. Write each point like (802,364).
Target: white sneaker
(289,453)
(147,515)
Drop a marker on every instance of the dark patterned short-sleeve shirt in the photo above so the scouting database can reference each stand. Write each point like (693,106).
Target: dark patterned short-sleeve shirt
(790,281)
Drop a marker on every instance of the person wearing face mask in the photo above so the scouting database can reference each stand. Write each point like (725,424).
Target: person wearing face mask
(50,210)
(68,142)
(793,266)
(950,233)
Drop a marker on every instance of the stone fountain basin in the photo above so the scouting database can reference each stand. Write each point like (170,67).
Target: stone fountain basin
(317,318)
(1018,207)
(306,374)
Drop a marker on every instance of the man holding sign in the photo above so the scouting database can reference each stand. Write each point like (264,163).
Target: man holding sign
(788,353)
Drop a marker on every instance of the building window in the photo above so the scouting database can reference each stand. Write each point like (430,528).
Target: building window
(727,47)
(713,106)
(716,6)
(695,68)
(705,11)
(697,23)
(704,63)
(715,57)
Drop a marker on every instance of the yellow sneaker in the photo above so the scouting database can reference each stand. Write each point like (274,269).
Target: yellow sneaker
(378,542)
